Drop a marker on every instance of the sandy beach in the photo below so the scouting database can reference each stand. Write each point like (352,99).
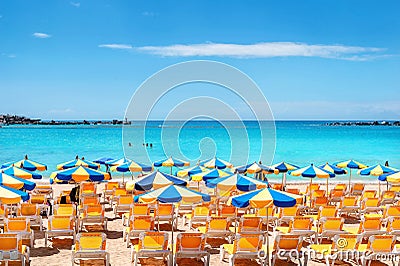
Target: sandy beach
(59,250)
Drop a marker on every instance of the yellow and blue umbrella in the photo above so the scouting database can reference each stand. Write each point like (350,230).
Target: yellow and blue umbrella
(172,194)
(216,163)
(311,172)
(254,168)
(16,182)
(265,198)
(155,180)
(22,173)
(377,170)
(236,182)
(393,177)
(210,174)
(27,165)
(11,196)
(132,166)
(191,171)
(171,162)
(333,169)
(351,164)
(283,167)
(79,174)
(78,162)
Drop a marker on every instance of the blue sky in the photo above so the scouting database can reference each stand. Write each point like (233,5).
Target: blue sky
(312,59)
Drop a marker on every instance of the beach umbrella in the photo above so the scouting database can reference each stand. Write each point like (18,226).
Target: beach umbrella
(12,196)
(22,173)
(311,172)
(255,169)
(333,169)
(16,182)
(283,167)
(155,180)
(27,165)
(171,162)
(103,160)
(351,164)
(265,198)
(191,171)
(78,162)
(172,194)
(236,182)
(79,174)
(132,166)
(393,177)
(216,163)
(210,174)
(377,170)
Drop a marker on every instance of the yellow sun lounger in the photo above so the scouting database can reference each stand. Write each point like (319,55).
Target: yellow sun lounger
(21,226)
(90,246)
(191,245)
(245,245)
(32,212)
(59,226)
(123,205)
(137,225)
(93,215)
(11,249)
(151,245)
(137,209)
(286,246)
(217,227)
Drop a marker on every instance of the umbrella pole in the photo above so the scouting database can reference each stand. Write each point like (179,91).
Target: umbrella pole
(171,170)
(123,178)
(267,238)
(327,186)
(311,191)
(379,188)
(350,179)
(387,185)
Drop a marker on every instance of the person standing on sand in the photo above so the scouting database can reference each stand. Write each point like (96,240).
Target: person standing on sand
(387,163)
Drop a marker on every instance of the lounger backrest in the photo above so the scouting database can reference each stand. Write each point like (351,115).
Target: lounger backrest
(140,209)
(153,241)
(64,209)
(19,224)
(217,224)
(350,242)
(28,209)
(250,224)
(248,242)
(59,222)
(10,242)
(327,211)
(381,243)
(90,241)
(331,223)
(288,242)
(145,222)
(371,223)
(164,209)
(190,242)
(300,223)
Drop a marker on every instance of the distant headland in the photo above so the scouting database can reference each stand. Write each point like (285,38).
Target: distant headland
(22,120)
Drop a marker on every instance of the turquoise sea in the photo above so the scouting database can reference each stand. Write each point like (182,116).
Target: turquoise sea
(298,142)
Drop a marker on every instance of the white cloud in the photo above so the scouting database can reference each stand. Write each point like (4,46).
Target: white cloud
(265,50)
(1,16)
(11,56)
(41,35)
(75,4)
(116,46)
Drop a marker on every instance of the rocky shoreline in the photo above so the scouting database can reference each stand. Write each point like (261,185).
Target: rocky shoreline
(7,120)
(364,123)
